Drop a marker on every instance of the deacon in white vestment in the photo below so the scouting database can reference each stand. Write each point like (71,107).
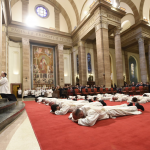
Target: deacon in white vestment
(88,115)
(70,106)
(4,85)
(19,93)
(49,93)
(25,94)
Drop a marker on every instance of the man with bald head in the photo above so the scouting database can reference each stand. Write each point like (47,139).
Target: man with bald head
(88,115)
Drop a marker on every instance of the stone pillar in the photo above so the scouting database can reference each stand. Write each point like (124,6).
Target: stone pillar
(4,49)
(119,60)
(95,64)
(0,36)
(72,67)
(82,63)
(103,61)
(25,4)
(127,67)
(143,66)
(149,59)
(26,64)
(57,22)
(60,65)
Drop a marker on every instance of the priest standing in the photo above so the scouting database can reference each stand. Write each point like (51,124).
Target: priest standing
(4,85)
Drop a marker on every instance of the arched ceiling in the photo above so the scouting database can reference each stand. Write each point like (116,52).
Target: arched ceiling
(75,10)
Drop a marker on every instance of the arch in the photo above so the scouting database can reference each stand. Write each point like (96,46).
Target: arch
(82,9)
(141,9)
(57,6)
(134,9)
(75,10)
(133,69)
(89,63)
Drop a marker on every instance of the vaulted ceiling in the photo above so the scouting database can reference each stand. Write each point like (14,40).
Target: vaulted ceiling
(75,10)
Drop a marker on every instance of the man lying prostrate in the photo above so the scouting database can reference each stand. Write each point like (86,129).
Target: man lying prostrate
(146,94)
(140,99)
(107,97)
(136,102)
(119,98)
(68,106)
(88,115)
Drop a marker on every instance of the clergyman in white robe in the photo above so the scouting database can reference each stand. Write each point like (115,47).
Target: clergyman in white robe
(92,114)
(4,86)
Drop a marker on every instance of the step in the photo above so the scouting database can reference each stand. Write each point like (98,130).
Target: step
(11,114)
(3,100)
(7,106)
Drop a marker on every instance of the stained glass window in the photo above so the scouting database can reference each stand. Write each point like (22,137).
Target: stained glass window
(42,11)
(89,63)
(77,65)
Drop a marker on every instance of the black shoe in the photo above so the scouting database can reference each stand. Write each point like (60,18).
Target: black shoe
(103,103)
(139,106)
(74,99)
(130,104)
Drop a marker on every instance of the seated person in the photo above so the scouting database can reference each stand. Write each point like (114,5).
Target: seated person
(88,115)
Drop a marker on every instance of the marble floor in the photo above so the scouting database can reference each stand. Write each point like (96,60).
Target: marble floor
(19,135)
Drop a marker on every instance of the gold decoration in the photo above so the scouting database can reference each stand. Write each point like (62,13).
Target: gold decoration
(0,97)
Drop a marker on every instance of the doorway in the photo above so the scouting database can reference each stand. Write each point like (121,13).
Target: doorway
(14,88)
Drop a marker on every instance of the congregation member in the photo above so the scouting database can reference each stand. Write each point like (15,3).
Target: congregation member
(19,93)
(88,115)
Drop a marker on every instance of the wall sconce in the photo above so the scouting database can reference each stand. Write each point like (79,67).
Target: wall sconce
(66,75)
(104,74)
(26,79)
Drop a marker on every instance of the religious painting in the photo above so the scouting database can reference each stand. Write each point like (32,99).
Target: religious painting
(43,65)
(133,69)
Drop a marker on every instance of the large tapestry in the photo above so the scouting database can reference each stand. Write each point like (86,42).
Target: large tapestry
(43,65)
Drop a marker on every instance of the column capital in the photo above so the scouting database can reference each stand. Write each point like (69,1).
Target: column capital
(101,25)
(140,39)
(25,41)
(81,43)
(117,30)
(60,46)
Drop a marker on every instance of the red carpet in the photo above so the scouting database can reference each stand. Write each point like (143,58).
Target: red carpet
(59,133)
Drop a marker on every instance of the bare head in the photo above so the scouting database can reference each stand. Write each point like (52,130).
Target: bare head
(51,103)
(55,107)
(134,99)
(3,74)
(77,114)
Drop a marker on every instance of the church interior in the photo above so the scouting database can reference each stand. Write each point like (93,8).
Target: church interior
(74,49)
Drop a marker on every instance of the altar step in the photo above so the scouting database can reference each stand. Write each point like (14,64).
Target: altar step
(9,111)
(3,100)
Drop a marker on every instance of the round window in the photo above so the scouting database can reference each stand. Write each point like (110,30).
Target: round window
(41,11)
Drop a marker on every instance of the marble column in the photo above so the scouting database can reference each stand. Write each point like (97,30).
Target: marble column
(26,64)
(95,64)
(0,36)
(149,58)
(4,63)
(119,60)
(103,61)
(143,66)
(82,63)
(25,4)
(57,20)
(126,66)
(72,67)
(60,65)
